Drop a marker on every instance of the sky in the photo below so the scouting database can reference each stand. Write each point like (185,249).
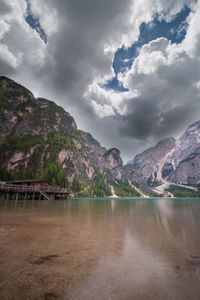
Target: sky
(128,71)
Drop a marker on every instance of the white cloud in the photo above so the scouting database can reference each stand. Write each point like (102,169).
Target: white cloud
(4,27)
(7,58)
(151,56)
(102,110)
(191,43)
(115,101)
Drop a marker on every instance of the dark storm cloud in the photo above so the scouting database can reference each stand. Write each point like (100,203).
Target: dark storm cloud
(6,68)
(140,121)
(4,8)
(77,49)
(173,119)
(147,121)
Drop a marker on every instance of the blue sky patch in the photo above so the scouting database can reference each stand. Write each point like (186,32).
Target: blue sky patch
(174,31)
(34,23)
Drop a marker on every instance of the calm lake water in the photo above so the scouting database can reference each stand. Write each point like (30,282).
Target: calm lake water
(100,249)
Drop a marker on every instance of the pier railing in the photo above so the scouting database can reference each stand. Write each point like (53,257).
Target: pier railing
(28,188)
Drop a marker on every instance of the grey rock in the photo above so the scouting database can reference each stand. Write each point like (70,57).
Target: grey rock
(171,160)
(150,162)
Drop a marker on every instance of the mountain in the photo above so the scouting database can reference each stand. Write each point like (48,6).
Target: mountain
(185,159)
(39,139)
(151,161)
(172,161)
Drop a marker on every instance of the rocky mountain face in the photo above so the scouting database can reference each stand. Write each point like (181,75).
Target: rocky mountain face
(173,161)
(151,161)
(39,139)
(185,160)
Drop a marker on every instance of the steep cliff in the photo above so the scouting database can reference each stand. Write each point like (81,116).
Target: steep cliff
(150,162)
(185,160)
(40,139)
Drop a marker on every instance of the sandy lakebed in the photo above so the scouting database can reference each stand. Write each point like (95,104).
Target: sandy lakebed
(100,249)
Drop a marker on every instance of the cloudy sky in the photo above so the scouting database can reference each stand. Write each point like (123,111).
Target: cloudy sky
(128,71)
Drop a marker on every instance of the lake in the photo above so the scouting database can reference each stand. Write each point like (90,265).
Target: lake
(100,249)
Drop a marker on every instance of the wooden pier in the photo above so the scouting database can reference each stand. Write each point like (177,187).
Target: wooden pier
(23,190)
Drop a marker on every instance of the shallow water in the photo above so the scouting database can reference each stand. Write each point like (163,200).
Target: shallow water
(100,249)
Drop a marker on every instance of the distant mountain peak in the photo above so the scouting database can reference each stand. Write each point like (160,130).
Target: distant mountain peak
(171,160)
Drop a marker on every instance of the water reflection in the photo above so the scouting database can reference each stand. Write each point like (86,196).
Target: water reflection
(165,214)
(135,272)
(100,249)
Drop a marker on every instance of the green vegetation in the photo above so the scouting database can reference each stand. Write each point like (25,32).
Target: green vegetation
(54,174)
(98,187)
(152,194)
(14,143)
(19,142)
(125,190)
(5,175)
(21,173)
(51,111)
(2,100)
(25,173)
(48,111)
(22,106)
(57,141)
(78,185)
(178,191)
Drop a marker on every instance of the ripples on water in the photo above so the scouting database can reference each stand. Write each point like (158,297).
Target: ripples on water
(100,249)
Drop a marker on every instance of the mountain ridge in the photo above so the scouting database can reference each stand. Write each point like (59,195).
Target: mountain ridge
(38,138)
(180,164)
